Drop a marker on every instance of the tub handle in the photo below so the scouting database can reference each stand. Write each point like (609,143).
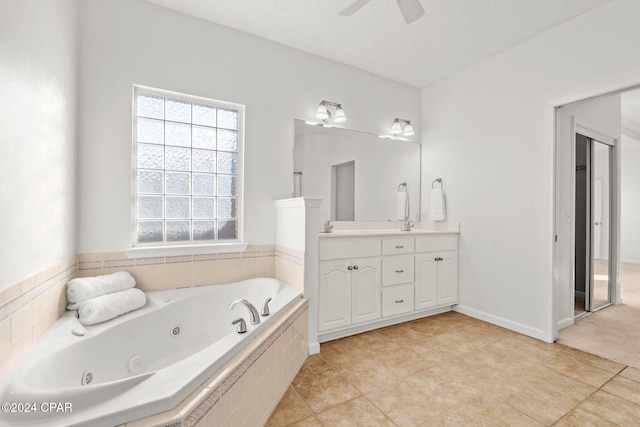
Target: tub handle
(242,325)
(265,307)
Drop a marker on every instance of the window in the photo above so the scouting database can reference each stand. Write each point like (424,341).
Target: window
(188,162)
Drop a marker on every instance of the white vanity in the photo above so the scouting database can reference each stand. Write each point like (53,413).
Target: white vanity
(374,278)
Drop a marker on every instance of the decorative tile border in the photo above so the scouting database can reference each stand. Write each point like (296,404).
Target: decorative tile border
(200,411)
(120,260)
(290,255)
(12,306)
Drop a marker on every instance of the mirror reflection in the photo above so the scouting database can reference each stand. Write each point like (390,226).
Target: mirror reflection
(357,175)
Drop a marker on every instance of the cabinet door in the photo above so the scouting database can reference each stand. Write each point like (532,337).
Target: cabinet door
(426,280)
(365,295)
(334,295)
(448,278)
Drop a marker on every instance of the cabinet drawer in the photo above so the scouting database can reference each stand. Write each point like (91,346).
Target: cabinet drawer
(397,246)
(437,243)
(341,249)
(397,270)
(397,300)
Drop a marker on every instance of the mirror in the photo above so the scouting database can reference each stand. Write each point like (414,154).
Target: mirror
(356,174)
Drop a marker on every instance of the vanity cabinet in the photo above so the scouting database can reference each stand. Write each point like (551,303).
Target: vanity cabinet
(370,282)
(349,289)
(436,279)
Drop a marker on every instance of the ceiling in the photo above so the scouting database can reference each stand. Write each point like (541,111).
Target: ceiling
(452,35)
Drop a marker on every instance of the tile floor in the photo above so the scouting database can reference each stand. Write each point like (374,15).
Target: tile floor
(452,370)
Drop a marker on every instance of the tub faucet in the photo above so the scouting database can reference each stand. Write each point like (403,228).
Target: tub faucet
(407,226)
(265,307)
(255,317)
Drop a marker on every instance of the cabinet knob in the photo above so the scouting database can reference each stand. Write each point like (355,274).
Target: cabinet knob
(350,268)
(355,267)
(399,271)
(400,247)
(398,301)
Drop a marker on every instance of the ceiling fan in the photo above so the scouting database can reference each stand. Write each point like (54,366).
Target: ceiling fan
(411,9)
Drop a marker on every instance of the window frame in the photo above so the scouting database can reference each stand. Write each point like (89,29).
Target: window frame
(185,247)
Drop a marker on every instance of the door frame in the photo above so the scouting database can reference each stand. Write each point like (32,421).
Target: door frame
(606,136)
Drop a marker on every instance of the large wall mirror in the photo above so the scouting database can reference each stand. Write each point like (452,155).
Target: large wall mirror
(356,174)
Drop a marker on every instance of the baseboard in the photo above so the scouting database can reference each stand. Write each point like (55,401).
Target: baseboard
(566,322)
(370,326)
(630,261)
(314,348)
(580,294)
(505,323)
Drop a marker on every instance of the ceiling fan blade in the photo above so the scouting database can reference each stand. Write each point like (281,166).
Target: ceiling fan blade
(354,7)
(411,10)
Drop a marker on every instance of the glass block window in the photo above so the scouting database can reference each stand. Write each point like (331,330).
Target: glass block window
(187,153)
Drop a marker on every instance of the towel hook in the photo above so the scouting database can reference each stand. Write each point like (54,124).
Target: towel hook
(437,180)
(403,184)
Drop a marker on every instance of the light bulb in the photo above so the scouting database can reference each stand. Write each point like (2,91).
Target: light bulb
(396,129)
(322,113)
(339,115)
(408,129)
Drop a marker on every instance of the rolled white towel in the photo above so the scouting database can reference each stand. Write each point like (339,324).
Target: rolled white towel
(106,307)
(84,288)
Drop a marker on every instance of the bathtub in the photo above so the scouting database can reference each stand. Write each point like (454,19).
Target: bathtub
(139,364)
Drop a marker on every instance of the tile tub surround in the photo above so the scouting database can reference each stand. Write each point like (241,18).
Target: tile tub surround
(30,307)
(450,369)
(159,273)
(289,267)
(245,391)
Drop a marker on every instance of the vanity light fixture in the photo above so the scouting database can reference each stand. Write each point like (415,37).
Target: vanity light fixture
(402,127)
(324,113)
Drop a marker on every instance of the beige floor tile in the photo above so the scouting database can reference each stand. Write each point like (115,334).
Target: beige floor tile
(313,365)
(526,348)
(452,370)
(325,390)
(367,375)
(591,359)
(343,352)
(358,412)
(291,408)
(307,422)
(402,334)
(487,411)
(579,370)
(470,368)
(449,419)
(402,363)
(613,408)
(405,404)
(583,418)
(631,373)
(542,394)
(437,384)
(624,388)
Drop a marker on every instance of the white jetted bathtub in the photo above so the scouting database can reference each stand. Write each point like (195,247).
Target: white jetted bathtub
(138,364)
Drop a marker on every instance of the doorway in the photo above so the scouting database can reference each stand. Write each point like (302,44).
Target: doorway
(343,190)
(593,180)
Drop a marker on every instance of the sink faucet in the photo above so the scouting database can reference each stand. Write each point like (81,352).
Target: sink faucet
(255,317)
(407,226)
(327,227)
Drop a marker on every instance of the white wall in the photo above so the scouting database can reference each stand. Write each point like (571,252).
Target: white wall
(126,42)
(38,81)
(488,131)
(630,200)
